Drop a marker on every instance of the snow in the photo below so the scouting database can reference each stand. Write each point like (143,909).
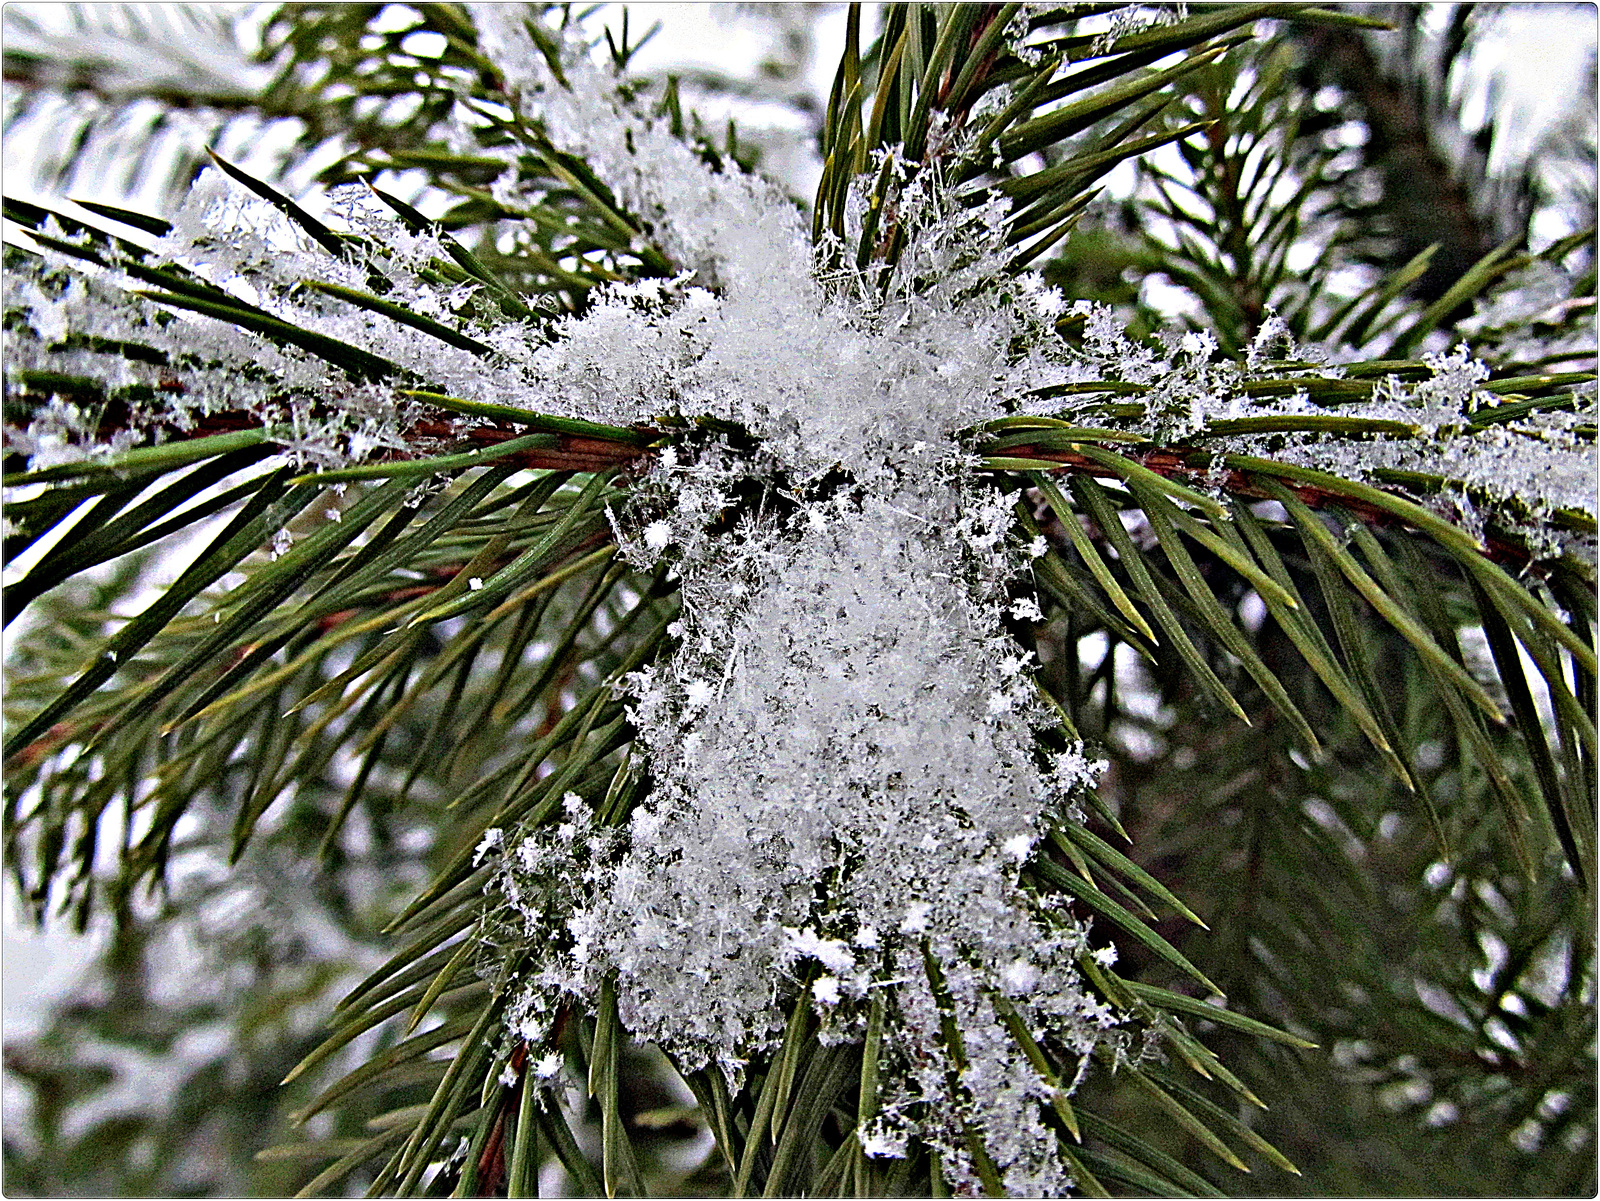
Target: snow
(842,743)
(846,781)
(1523,470)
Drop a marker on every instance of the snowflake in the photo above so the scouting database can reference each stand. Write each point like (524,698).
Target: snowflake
(658,535)
(845,778)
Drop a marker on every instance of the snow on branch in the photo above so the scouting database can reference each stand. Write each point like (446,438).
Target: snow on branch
(842,742)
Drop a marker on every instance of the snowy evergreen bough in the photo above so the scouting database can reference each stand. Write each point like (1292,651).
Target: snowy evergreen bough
(719,577)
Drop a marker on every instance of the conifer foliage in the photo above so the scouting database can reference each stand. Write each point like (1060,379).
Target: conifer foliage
(977,734)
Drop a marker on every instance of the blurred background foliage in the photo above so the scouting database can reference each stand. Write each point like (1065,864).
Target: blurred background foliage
(1453,1004)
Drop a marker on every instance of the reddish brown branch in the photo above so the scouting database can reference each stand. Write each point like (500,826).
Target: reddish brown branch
(53,739)
(572,452)
(1174,465)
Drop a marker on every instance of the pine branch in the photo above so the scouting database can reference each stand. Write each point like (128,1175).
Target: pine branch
(672,585)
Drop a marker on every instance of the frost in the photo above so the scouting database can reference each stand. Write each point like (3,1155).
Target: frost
(657,535)
(492,839)
(548,1066)
(1019,977)
(244,246)
(1131,19)
(878,1142)
(846,782)
(1198,345)
(831,953)
(1520,471)
(842,743)
(1018,847)
(825,990)
(1026,609)
(916,918)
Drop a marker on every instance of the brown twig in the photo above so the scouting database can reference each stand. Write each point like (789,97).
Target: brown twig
(572,452)
(56,737)
(1175,465)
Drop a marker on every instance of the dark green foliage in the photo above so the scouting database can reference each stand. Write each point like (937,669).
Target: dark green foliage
(1334,796)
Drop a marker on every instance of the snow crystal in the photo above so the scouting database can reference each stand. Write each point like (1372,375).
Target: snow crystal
(547,1066)
(842,744)
(1019,977)
(882,1143)
(657,535)
(825,990)
(916,918)
(846,781)
(492,839)
(1019,846)
(830,952)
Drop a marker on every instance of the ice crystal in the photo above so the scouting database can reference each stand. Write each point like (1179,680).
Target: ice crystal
(842,743)
(1133,18)
(846,779)
(1526,469)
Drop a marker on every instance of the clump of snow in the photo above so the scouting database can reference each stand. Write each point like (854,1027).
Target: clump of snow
(1525,468)
(842,742)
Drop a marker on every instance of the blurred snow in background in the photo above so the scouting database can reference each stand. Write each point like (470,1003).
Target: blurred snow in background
(768,67)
